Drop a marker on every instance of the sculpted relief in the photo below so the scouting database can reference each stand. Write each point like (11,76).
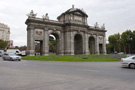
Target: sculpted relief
(100,38)
(39,34)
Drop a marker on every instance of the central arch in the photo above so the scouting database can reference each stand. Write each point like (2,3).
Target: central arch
(78,44)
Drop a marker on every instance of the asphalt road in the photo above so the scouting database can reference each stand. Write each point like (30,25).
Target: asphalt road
(47,75)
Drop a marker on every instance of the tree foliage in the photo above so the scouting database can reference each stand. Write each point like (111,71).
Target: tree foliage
(3,44)
(23,48)
(114,41)
(122,43)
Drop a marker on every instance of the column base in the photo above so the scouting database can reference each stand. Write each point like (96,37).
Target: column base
(69,52)
(86,53)
(45,54)
(104,53)
(97,53)
(30,52)
(61,54)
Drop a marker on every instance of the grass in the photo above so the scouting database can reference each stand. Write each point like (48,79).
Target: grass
(76,58)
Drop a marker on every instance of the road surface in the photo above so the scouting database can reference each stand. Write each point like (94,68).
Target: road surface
(47,75)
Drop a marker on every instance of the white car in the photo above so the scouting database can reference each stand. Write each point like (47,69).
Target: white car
(11,57)
(15,51)
(129,62)
(120,53)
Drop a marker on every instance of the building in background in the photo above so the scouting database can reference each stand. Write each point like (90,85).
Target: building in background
(4,32)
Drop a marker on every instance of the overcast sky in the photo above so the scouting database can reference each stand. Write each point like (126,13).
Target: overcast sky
(118,15)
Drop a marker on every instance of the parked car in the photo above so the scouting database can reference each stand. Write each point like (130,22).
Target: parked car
(12,57)
(113,53)
(129,62)
(1,53)
(120,53)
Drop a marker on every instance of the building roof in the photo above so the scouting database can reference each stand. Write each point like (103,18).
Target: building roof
(2,25)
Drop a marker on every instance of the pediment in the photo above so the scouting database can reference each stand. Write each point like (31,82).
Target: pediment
(78,13)
(75,11)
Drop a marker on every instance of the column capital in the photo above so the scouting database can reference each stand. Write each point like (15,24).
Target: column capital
(46,28)
(104,35)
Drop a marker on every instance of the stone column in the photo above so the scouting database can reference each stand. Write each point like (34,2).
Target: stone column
(66,51)
(30,41)
(62,43)
(86,45)
(104,45)
(72,43)
(46,42)
(96,45)
(58,47)
(69,43)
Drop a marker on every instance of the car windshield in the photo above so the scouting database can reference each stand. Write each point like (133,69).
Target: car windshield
(12,55)
(130,56)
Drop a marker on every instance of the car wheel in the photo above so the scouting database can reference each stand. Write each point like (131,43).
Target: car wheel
(4,58)
(132,66)
(11,59)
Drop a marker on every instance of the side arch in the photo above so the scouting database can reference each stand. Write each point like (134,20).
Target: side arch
(92,44)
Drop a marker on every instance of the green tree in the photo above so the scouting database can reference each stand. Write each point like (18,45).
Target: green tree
(126,40)
(114,41)
(133,42)
(22,48)
(118,42)
(3,44)
(109,48)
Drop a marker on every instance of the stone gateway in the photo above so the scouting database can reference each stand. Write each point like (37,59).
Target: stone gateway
(73,34)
